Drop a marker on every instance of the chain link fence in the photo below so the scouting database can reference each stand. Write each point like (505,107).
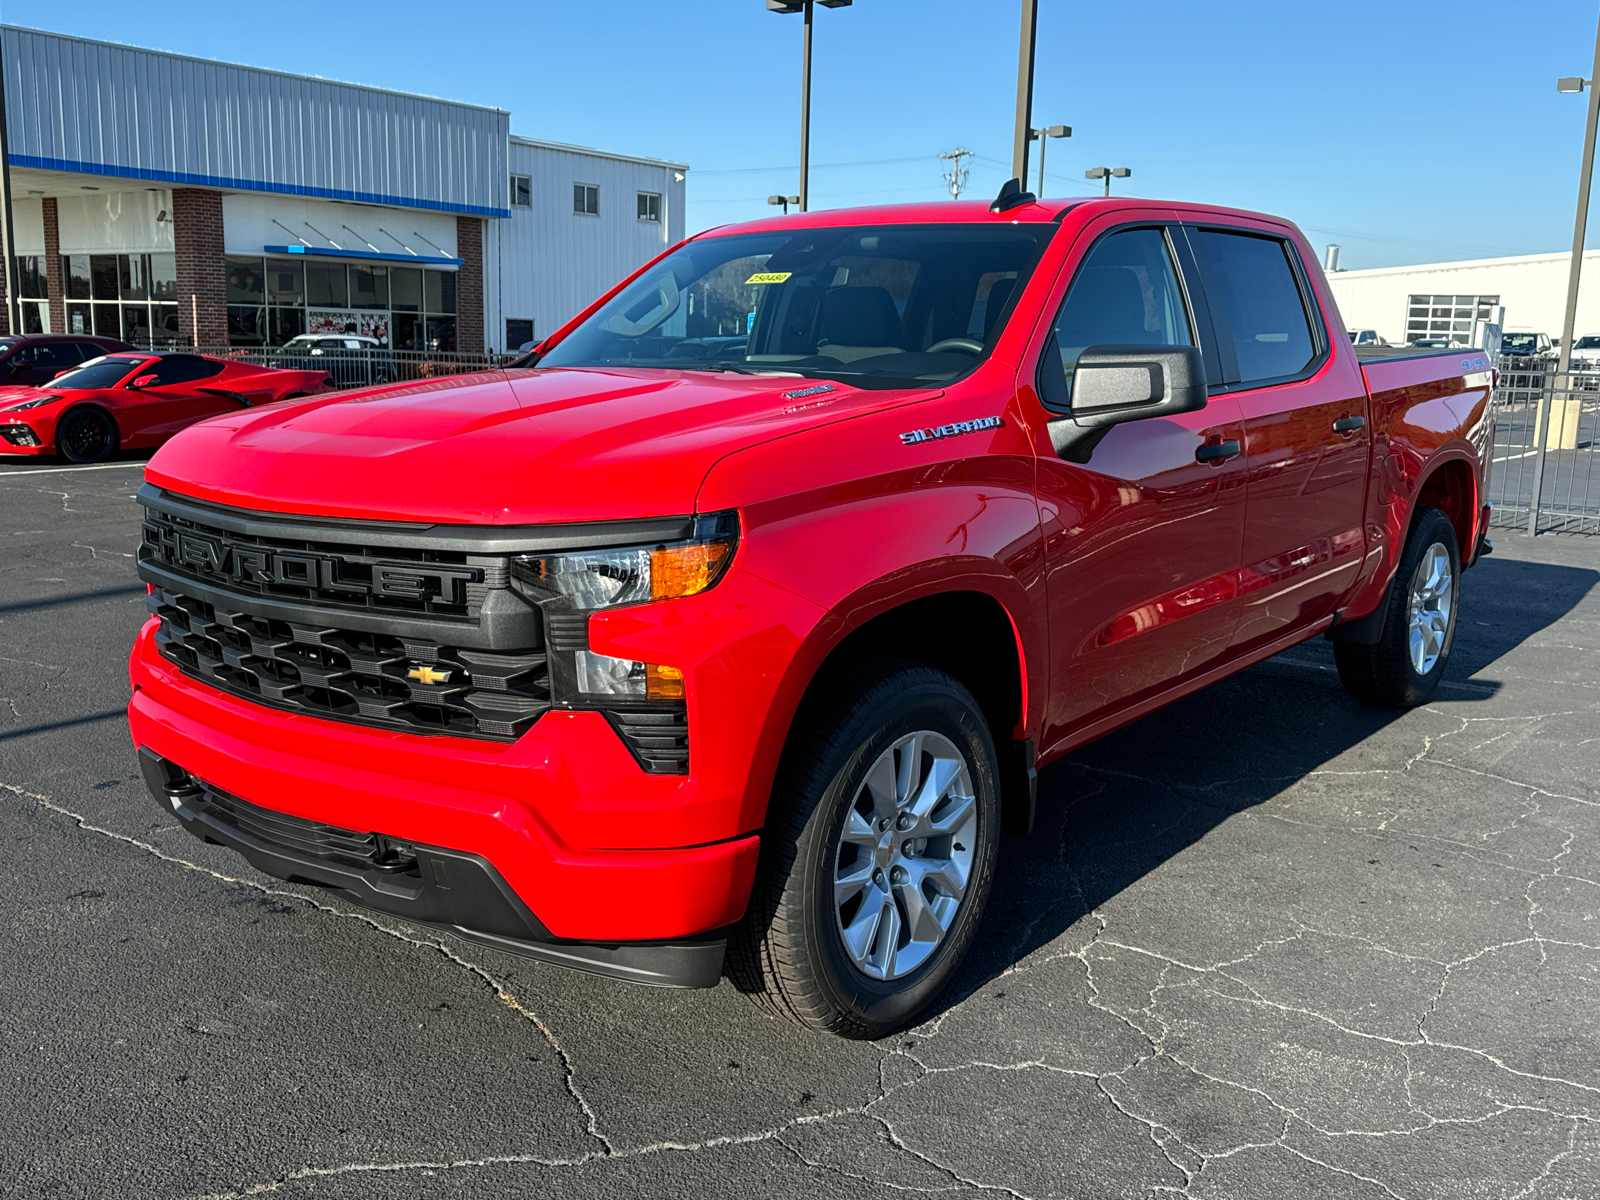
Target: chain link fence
(1543,478)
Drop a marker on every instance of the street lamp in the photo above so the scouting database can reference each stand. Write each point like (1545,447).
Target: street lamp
(1107,173)
(804,7)
(785,201)
(1039,135)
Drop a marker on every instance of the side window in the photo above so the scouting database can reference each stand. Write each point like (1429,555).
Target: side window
(1125,292)
(183,370)
(49,356)
(1252,287)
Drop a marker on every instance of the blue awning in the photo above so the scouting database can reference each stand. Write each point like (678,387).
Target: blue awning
(382,256)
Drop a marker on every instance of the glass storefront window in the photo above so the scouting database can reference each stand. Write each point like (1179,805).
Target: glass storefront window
(247,325)
(285,323)
(164,322)
(31,283)
(369,287)
(79,319)
(136,324)
(407,332)
(75,275)
(441,334)
(439,291)
(405,289)
(286,282)
(325,286)
(163,277)
(244,280)
(33,318)
(108,319)
(132,270)
(103,278)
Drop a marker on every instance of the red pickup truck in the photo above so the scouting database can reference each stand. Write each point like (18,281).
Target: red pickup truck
(726,631)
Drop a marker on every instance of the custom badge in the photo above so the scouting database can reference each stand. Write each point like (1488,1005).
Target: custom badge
(769,276)
(802,393)
(954,429)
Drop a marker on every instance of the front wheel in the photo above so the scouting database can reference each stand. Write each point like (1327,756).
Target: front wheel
(86,435)
(878,856)
(1404,666)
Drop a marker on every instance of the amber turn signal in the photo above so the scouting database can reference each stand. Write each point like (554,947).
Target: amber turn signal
(684,570)
(663,683)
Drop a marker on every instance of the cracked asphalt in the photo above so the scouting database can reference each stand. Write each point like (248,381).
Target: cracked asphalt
(1266,943)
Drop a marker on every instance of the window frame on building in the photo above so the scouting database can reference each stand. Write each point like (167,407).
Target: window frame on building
(585,199)
(137,302)
(419,303)
(513,342)
(521,191)
(649,207)
(1430,315)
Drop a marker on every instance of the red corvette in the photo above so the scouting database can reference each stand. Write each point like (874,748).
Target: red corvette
(137,399)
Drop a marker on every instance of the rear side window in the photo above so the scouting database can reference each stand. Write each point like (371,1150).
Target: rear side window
(49,356)
(1251,284)
(1125,292)
(183,370)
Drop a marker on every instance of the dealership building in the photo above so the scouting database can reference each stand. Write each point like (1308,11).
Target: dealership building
(1444,299)
(165,199)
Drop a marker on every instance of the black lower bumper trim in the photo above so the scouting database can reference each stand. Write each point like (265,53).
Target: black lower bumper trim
(430,885)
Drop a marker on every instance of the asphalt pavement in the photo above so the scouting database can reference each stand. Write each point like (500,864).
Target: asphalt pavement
(1265,943)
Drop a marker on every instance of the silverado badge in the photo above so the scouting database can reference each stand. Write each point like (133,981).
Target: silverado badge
(954,429)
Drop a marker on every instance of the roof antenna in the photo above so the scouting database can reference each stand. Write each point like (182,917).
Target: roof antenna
(1011,196)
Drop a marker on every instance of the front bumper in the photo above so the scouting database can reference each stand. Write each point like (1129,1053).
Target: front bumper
(530,811)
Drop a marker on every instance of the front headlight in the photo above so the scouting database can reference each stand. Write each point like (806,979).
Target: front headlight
(26,404)
(570,586)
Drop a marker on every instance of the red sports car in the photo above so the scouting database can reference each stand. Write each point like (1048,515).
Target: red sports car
(137,399)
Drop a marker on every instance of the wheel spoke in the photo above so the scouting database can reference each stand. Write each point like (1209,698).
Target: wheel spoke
(945,772)
(922,919)
(846,887)
(955,814)
(862,932)
(910,780)
(857,831)
(881,786)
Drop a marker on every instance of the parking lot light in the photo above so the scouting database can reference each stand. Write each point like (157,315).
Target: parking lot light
(804,7)
(1040,135)
(1107,173)
(785,201)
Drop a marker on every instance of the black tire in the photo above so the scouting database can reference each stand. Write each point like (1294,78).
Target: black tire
(789,952)
(1384,673)
(87,435)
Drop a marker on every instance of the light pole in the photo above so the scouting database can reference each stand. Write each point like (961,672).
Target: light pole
(785,201)
(1107,173)
(804,7)
(1039,135)
(1024,128)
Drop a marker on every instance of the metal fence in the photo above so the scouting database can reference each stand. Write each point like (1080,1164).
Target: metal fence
(360,368)
(1543,478)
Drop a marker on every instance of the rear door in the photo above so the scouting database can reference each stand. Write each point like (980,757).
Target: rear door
(1142,541)
(1307,429)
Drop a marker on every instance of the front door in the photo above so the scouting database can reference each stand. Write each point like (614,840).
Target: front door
(1142,541)
(1307,433)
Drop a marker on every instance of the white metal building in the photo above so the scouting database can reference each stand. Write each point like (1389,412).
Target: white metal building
(1405,303)
(161,198)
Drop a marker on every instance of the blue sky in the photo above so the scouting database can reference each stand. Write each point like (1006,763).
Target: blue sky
(1406,132)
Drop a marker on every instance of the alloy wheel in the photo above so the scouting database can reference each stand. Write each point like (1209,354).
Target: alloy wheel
(1430,608)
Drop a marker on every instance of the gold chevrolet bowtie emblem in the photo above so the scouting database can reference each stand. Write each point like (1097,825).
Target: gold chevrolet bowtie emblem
(428,675)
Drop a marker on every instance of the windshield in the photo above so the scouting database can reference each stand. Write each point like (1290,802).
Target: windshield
(1520,341)
(1587,343)
(877,306)
(96,373)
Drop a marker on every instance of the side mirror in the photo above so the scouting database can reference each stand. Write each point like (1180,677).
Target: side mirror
(1113,384)
(144,381)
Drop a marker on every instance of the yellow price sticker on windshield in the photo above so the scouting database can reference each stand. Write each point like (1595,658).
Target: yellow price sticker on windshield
(769,276)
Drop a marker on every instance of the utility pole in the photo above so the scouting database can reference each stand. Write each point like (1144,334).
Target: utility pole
(8,229)
(1019,144)
(957,175)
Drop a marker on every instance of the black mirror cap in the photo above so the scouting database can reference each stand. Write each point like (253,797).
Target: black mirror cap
(1011,196)
(1113,384)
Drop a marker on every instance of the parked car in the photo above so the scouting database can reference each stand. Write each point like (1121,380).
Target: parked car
(1366,337)
(1525,345)
(1585,354)
(351,361)
(40,357)
(657,664)
(136,399)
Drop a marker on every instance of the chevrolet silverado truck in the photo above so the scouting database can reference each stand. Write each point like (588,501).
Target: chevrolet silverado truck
(726,631)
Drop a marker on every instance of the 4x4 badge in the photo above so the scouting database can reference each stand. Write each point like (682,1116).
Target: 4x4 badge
(955,429)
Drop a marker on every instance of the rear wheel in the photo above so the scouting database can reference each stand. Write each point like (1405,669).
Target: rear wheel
(878,856)
(86,435)
(1404,666)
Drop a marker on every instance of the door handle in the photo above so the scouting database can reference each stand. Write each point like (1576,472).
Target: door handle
(1216,452)
(1348,424)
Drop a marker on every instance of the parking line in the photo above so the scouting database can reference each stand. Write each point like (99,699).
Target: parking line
(72,470)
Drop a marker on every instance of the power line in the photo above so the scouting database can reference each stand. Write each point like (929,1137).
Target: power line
(865,162)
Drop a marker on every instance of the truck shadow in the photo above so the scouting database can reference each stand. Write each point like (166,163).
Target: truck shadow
(1120,808)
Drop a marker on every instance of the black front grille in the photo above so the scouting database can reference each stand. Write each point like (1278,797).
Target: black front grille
(659,738)
(295,834)
(349,675)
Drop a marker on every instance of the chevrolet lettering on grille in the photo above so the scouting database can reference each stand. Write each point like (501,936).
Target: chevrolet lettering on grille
(228,562)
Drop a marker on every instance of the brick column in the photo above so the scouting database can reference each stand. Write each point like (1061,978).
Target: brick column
(55,284)
(202,279)
(469,286)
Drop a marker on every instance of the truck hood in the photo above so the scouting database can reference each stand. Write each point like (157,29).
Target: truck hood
(500,447)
